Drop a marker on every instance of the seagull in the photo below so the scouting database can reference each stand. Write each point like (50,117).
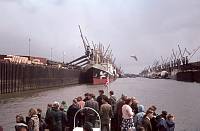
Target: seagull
(133,56)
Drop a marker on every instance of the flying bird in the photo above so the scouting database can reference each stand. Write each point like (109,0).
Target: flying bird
(133,56)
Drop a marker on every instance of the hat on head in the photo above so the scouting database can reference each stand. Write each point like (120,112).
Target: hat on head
(56,104)
(63,102)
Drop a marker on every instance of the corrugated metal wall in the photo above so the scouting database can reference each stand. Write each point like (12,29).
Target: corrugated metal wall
(21,77)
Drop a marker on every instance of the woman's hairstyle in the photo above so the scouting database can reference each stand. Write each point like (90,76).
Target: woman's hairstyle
(169,116)
(79,98)
(105,98)
(32,112)
(128,100)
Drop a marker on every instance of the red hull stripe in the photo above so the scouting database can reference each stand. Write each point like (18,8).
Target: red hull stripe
(97,81)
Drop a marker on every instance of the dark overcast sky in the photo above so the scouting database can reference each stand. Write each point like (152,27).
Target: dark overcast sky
(145,28)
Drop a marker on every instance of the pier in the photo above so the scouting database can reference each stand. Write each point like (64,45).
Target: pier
(16,77)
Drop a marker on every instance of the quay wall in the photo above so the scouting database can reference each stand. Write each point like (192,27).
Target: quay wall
(20,77)
(189,76)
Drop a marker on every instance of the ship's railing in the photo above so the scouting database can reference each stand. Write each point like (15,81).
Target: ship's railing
(81,128)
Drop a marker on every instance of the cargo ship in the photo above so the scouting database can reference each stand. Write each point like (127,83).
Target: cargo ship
(100,73)
(187,73)
(98,64)
(179,67)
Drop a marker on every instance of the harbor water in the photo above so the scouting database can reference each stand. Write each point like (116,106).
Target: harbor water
(178,98)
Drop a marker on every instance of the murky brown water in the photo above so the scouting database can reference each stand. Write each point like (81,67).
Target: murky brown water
(179,98)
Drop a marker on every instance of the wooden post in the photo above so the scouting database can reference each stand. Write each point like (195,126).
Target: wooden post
(0,78)
(9,74)
(6,77)
(3,78)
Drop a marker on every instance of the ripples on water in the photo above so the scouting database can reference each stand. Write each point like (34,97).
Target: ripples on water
(178,98)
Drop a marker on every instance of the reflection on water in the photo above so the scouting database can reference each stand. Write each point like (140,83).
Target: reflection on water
(178,98)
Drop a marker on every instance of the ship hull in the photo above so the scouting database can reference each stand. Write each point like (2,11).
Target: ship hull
(92,76)
(187,76)
(187,73)
(97,81)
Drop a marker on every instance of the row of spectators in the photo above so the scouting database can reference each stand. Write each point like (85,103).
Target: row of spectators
(124,114)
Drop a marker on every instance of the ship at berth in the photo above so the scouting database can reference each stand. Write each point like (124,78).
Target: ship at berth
(98,63)
(100,73)
(179,67)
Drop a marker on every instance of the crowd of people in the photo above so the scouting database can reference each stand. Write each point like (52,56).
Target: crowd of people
(124,114)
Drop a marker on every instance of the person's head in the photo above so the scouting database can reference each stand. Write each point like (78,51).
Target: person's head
(135,102)
(79,98)
(86,94)
(87,126)
(141,128)
(49,106)
(63,102)
(61,107)
(101,92)
(133,98)
(164,114)
(22,128)
(19,118)
(154,108)
(141,108)
(75,101)
(105,99)
(149,113)
(32,112)
(39,111)
(56,105)
(111,93)
(128,101)
(170,117)
(89,96)
(123,97)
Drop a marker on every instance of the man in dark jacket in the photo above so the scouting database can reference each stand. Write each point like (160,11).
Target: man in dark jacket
(162,125)
(118,114)
(154,120)
(71,113)
(56,118)
(113,103)
(48,119)
(90,116)
(99,98)
(105,114)
(134,105)
(146,123)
